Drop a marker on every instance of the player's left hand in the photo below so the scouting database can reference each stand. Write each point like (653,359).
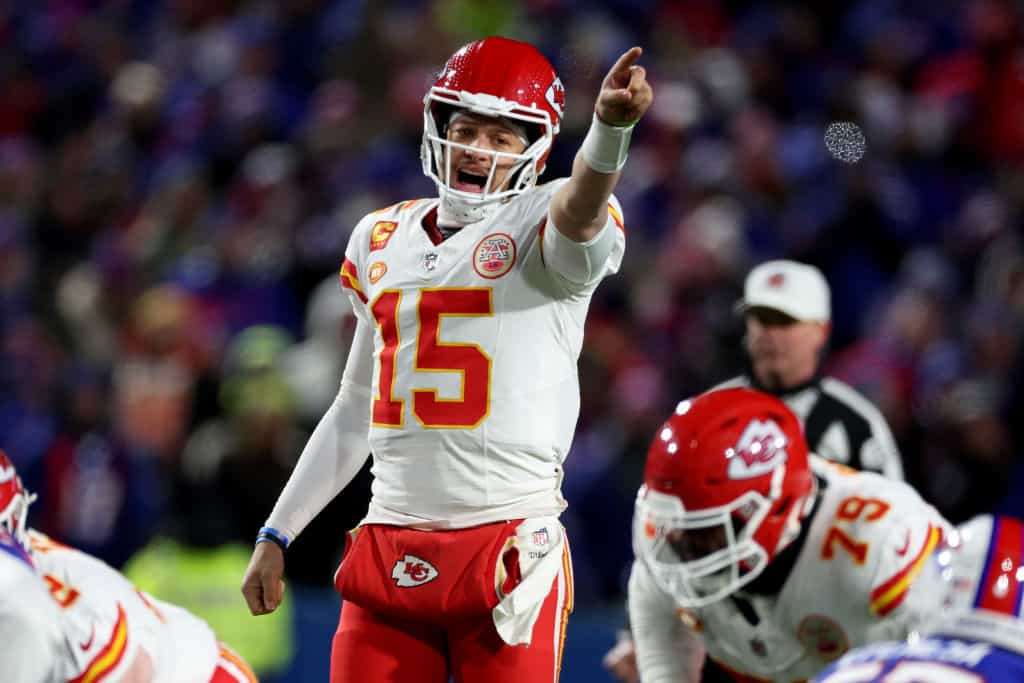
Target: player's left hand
(625,93)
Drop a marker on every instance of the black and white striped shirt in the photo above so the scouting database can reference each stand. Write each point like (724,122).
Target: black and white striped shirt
(840,424)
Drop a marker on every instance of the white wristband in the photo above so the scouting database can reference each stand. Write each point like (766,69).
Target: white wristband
(606,147)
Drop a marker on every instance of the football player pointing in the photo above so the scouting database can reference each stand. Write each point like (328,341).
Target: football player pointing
(462,382)
(770,560)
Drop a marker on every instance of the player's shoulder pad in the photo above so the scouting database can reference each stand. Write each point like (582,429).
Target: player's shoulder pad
(10,547)
(373,231)
(41,543)
(888,529)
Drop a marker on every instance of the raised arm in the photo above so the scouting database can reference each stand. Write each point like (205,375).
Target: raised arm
(579,208)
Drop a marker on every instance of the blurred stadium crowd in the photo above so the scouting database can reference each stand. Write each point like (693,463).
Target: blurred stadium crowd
(178,180)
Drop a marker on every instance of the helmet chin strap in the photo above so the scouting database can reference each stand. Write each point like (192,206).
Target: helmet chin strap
(457,212)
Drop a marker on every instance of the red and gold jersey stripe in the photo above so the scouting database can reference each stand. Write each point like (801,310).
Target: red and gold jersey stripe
(110,656)
(617,217)
(890,594)
(350,279)
(231,668)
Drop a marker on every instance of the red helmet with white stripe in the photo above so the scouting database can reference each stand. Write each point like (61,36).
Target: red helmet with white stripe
(726,487)
(14,501)
(494,77)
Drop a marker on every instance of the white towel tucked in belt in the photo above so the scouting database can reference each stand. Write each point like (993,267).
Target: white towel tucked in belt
(541,544)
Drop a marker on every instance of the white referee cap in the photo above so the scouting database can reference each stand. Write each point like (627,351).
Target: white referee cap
(796,289)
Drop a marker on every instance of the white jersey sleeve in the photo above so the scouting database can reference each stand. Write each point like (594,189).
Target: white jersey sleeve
(667,649)
(337,448)
(29,624)
(580,266)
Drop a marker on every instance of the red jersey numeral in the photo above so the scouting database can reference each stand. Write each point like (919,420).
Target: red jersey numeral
(63,594)
(387,411)
(433,355)
(850,510)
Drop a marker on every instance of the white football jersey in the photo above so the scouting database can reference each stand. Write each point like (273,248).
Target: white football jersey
(107,619)
(30,630)
(475,393)
(851,584)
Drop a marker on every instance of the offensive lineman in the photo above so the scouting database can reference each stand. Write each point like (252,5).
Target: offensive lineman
(109,629)
(29,622)
(462,382)
(773,561)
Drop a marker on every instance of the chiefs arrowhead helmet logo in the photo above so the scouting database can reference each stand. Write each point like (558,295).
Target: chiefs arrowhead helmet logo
(555,96)
(761,448)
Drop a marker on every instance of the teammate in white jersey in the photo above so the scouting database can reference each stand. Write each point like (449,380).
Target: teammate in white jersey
(772,561)
(29,623)
(462,382)
(110,630)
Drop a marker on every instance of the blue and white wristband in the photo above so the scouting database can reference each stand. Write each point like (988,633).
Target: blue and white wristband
(269,534)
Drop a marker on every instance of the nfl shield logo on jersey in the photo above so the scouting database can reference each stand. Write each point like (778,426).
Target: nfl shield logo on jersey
(430,260)
(412,571)
(540,537)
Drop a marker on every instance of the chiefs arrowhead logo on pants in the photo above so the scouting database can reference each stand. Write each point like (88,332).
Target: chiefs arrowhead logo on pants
(412,571)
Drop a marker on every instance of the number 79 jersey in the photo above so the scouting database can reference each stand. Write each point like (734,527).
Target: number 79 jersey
(474,393)
(852,582)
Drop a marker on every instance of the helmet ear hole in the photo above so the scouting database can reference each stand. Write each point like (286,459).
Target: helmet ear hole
(442,114)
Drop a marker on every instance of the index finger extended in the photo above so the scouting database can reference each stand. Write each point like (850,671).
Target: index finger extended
(626,60)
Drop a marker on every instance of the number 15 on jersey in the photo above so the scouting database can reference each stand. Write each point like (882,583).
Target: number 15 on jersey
(433,355)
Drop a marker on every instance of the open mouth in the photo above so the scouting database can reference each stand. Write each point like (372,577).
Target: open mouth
(468,181)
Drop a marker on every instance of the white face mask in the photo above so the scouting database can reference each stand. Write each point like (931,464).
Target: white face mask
(461,207)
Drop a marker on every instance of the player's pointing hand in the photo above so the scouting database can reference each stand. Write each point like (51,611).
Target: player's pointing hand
(625,93)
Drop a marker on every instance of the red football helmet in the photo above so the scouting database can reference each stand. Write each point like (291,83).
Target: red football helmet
(726,487)
(494,77)
(14,501)
(975,583)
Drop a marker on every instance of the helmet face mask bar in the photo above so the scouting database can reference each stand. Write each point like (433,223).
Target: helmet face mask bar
(477,79)
(14,501)
(437,157)
(699,557)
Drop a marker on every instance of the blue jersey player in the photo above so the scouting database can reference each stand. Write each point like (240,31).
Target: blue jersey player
(977,633)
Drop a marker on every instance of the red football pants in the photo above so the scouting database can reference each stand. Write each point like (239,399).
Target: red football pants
(394,634)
